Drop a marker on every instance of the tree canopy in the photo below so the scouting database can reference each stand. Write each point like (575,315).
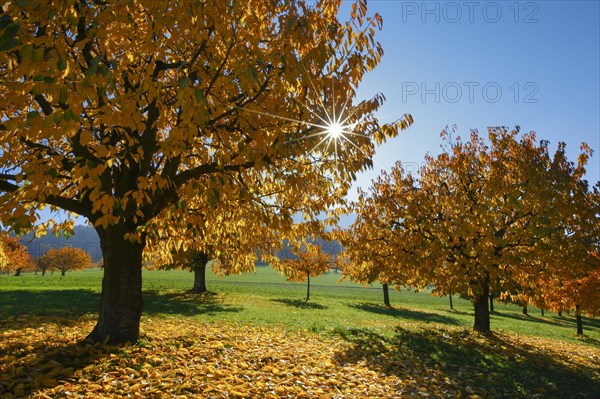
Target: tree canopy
(481,217)
(14,257)
(65,259)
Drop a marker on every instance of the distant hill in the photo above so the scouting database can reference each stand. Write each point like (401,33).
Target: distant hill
(85,237)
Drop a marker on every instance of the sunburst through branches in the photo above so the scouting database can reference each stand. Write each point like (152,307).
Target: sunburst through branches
(331,127)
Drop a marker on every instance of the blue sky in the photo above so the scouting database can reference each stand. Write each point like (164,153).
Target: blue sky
(544,56)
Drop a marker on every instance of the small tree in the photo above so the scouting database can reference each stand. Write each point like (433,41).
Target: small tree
(65,259)
(232,236)
(378,245)
(310,260)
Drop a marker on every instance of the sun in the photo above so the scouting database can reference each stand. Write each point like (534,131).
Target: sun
(334,130)
(332,127)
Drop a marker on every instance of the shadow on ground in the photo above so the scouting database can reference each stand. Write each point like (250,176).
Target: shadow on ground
(77,302)
(297,303)
(186,303)
(403,313)
(68,303)
(563,321)
(463,363)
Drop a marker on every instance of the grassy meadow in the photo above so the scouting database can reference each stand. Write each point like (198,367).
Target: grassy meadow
(265,297)
(420,346)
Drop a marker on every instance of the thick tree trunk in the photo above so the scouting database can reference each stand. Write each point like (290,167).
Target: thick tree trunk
(62,272)
(560,313)
(43,272)
(307,287)
(579,320)
(525,310)
(386,295)
(18,272)
(451,304)
(121,299)
(482,312)
(199,266)
(491,303)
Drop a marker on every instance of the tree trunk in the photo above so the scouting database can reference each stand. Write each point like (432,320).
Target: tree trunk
(307,286)
(43,272)
(199,266)
(491,303)
(542,309)
(579,320)
(560,313)
(386,295)
(482,311)
(121,299)
(62,272)
(18,272)
(525,310)
(451,304)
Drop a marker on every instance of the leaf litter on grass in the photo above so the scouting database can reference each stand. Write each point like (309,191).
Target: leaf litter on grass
(180,358)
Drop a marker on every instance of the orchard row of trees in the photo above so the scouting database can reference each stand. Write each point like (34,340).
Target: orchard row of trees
(14,258)
(504,217)
(211,126)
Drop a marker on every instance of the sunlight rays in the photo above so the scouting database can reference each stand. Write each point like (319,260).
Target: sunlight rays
(332,124)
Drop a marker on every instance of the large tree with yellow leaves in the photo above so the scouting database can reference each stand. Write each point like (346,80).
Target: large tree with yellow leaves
(124,111)
(482,217)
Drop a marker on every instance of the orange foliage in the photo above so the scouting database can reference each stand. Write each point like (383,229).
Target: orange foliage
(14,257)
(480,218)
(65,259)
(310,261)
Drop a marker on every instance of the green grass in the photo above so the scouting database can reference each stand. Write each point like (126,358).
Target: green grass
(265,297)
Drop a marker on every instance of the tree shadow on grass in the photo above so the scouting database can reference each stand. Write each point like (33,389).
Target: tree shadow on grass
(562,321)
(300,304)
(461,312)
(186,304)
(74,303)
(462,363)
(404,313)
(65,303)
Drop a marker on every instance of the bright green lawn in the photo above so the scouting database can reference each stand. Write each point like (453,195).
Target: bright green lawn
(265,297)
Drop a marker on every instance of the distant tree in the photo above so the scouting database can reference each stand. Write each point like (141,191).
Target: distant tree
(14,257)
(579,293)
(370,242)
(232,236)
(65,259)
(43,264)
(309,260)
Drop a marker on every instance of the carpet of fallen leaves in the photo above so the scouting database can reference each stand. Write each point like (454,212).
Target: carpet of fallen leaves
(42,357)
